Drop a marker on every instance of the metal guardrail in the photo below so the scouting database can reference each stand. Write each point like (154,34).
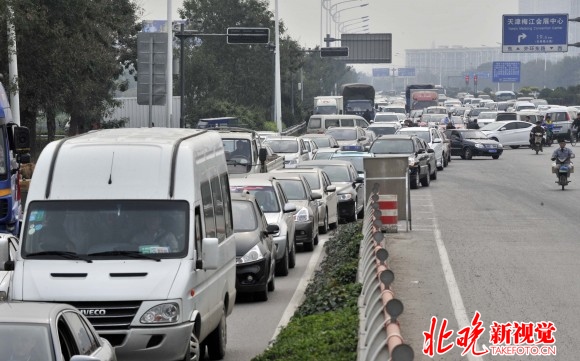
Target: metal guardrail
(379,331)
(294,129)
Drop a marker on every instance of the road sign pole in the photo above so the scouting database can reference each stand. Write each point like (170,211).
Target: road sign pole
(150,82)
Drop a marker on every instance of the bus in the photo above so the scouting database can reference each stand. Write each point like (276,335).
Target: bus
(504,95)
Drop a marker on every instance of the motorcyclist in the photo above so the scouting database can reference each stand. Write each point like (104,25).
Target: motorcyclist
(537,129)
(549,125)
(563,153)
(576,125)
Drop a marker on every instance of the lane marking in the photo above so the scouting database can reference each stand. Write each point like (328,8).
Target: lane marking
(298,295)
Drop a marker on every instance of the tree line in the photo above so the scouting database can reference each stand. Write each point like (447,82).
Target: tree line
(74,55)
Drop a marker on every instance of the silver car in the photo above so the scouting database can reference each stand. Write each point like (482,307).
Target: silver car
(38,331)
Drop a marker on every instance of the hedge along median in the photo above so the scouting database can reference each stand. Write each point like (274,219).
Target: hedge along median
(325,326)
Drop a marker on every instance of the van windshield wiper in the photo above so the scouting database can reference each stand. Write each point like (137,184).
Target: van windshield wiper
(132,254)
(63,254)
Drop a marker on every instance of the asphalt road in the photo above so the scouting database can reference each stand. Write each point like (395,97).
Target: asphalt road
(495,236)
(252,325)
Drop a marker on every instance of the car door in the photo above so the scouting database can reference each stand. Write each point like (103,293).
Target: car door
(304,155)
(80,338)
(422,156)
(436,144)
(522,135)
(359,187)
(331,199)
(288,217)
(508,133)
(455,140)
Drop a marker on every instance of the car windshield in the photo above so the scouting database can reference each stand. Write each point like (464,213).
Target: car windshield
(323,155)
(294,189)
(265,196)
(386,118)
(392,146)
(20,341)
(357,161)
(342,134)
(322,142)
(383,130)
(474,134)
(244,216)
(283,145)
(336,173)
(90,229)
(423,134)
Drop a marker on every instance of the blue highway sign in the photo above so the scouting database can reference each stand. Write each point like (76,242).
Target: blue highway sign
(406,71)
(506,71)
(378,72)
(535,33)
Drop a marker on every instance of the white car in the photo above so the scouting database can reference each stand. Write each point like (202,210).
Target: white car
(292,148)
(432,137)
(514,133)
(389,117)
(485,118)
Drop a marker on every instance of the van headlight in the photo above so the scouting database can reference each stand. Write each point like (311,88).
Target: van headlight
(253,255)
(412,161)
(164,313)
(302,216)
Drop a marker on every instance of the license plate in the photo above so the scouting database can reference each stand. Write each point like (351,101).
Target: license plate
(557,128)
(492,150)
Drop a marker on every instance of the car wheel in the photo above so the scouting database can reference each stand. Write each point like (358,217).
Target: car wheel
(494,138)
(292,256)
(514,146)
(495,156)
(425,181)
(352,217)
(467,154)
(272,284)
(445,161)
(308,246)
(448,158)
(216,345)
(324,228)
(282,265)
(261,296)
(194,350)
(434,175)
(442,166)
(415,180)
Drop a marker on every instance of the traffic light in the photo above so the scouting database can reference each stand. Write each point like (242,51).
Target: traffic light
(475,79)
(337,51)
(467,80)
(248,35)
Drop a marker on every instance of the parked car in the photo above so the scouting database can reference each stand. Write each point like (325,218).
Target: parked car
(306,218)
(322,140)
(292,148)
(514,133)
(468,143)
(320,183)
(421,164)
(277,209)
(433,139)
(255,248)
(37,331)
(349,186)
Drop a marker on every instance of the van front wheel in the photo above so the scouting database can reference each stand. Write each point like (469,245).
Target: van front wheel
(216,344)
(194,349)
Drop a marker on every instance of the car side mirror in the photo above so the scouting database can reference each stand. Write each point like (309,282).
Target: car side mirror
(336,146)
(421,151)
(359,179)
(502,129)
(430,150)
(361,139)
(331,188)
(263,155)
(315,196)
(436,140)
(289,207)
(272,229)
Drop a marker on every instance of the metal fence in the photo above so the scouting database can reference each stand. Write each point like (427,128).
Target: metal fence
(379,330)
(294,130)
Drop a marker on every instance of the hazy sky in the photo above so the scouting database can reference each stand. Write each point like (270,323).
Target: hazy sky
(414,24)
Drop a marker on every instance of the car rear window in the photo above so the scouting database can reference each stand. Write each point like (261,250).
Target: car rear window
(265,196)
(392,146)
(244,216)
(314,123)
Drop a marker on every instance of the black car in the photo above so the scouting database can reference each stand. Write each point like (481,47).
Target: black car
(422,163)
(468,143)
(255,253)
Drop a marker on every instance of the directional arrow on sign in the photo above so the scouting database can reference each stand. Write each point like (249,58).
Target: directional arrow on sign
(521,37)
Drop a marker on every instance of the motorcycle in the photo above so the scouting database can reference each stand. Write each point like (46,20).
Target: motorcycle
(549,137)
(538,139)
(562,167)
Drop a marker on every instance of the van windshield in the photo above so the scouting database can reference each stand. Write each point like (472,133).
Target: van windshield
(106,229)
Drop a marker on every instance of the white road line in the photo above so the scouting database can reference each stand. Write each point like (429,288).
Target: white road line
(299,293)
(456,300)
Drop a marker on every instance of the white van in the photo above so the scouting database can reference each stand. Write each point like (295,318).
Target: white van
(320,122)
(134,228)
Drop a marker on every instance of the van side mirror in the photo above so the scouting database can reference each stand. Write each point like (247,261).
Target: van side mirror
(21,140)
(315,196)
(210,253)
(4,253)
(263,155)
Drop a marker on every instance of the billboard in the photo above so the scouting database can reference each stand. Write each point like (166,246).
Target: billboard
(535,33)
(506,71)
(367,48)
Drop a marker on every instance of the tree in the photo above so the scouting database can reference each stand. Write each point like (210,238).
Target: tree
(70,53)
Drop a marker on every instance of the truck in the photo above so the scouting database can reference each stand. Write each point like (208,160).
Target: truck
(331,104)
(161,296)
(420,96)
(359,99)
(14,151)
(245,152)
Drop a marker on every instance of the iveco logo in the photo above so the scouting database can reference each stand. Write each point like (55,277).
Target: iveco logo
(93,312)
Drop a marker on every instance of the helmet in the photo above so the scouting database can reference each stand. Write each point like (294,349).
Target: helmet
(539,122)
